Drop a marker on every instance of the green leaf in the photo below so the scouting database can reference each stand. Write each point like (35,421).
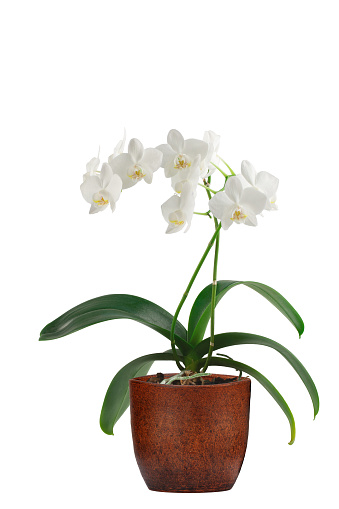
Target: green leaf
(265,383)
(201,309)
(243,338)
(112,307)
(117,396)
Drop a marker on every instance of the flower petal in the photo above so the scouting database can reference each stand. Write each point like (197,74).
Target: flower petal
(194,147)
(171,205)
(177,221)
(119,148)
(189,174)
(226,222)
(220,205)
(168,155)
(90,186)
(213,138)
(248,171)
(205,163)
(135,150)
(251,220)
(176,141)
(177,184)
(114,188)
(253,200)
(234,189)
(148,175)
(92,165)
(243,181)
(173,228)
(187,200)
(210,170)
(121,165)
(267,183)
(151,159)
(170,170)
(271,203)
(94,209)
(182,175)
(105,175)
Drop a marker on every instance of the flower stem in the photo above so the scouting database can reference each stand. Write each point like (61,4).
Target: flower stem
(203,214)
(222,172)
(226,165)
(214,292)
(181,303)
(214,285)
(209,189)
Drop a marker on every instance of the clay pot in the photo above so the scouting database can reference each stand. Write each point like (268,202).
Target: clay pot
(189,438)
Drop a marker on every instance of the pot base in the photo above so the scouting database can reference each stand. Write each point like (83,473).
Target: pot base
(190,439)
(191,490)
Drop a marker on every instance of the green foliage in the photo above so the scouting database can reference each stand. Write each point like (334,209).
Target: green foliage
(243,338)
(112,307)
(265,383)
(117,396)
(201,309)
(191,346)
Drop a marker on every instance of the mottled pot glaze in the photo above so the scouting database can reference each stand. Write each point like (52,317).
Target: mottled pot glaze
(190,438)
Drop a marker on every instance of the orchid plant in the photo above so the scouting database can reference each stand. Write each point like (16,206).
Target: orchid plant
(190,164)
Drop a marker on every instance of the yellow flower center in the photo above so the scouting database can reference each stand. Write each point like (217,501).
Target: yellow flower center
(101,201)
(181,162)
(177,223)
(138,174)
(238,215)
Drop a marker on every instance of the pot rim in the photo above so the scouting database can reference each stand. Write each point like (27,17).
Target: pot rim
(144,380)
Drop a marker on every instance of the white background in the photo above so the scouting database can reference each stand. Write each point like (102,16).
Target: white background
(264,76)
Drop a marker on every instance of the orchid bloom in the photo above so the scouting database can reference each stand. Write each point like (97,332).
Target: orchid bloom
(138,164)
(263,181)
(92,167)
(237,204)
(178,154)
(178,210)
(190,174)
(213,141)
(119,148)
(102,190)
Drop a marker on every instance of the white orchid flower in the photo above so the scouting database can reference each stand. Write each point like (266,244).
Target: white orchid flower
(190,174)
(178,210)
(138,164)
(206,168)
(178,154)
(102,190)
(213,141)
(92,167)
(263,181)
(119,148)
(237,204)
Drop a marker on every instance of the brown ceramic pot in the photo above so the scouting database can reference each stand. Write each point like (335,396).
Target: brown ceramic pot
(189,438)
